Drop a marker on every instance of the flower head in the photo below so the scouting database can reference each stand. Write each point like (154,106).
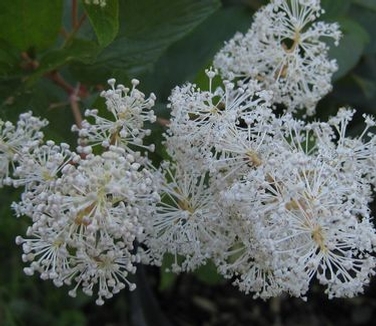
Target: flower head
(126,129)
(186,221)
(284,51)
(23,137)
(201,118)
(85,224)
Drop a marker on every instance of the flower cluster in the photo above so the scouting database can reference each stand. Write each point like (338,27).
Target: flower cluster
(85,209)
(283,200)
(284,51)
(274,201)
(23,137)
(126,128)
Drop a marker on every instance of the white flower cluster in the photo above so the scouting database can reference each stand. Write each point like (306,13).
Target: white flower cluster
(23,137)
(284,51)
(85,210)
(125,129)
(272,200)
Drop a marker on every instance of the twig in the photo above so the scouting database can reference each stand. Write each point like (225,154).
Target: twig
(59,80)
(74,93)
(73,100)
(74,15)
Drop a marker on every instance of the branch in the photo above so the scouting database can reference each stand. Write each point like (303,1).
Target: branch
(74,93)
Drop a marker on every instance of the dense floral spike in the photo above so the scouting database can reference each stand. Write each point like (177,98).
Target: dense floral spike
(284,50)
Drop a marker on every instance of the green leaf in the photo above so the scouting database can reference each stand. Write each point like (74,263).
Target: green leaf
(105,21)
(147,29)
(180,64)
(71,317)
(367,86)
(351,46)
(77,50)
(370,4)
(208,274)
(366,18)
(358,89)
(46,100)
(167,278)
(30,24)
(334,9)
(9,59)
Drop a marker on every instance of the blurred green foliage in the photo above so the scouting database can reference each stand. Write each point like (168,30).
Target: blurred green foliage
(50,50)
